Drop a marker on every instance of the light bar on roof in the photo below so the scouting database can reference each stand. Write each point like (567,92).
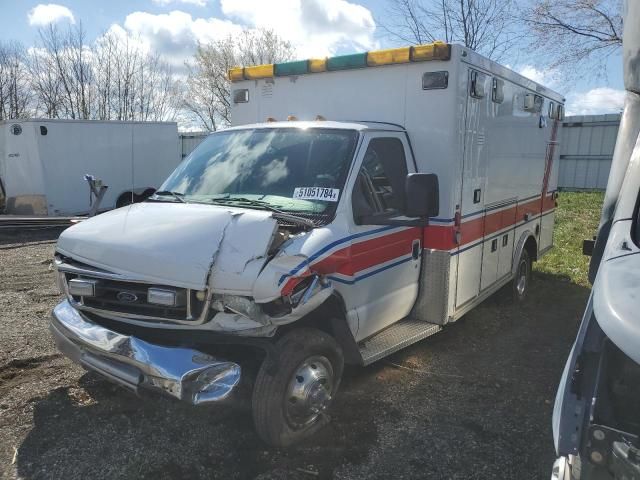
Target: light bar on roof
(417,53)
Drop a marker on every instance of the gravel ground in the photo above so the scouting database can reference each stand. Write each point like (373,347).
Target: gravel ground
(473,401)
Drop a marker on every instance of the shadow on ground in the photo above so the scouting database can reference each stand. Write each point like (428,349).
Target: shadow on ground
(474,401)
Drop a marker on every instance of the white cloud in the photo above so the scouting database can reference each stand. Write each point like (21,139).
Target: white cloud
(547,78)
(314,27)
(176,34)
(197,3)
(42,15)
(595,101)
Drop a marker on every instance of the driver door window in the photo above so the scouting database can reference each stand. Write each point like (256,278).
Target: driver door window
(379,188)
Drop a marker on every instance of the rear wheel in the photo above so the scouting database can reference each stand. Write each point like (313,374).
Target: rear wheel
(522,278)
(290,403)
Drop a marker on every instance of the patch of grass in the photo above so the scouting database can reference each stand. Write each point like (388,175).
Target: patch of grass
(577,218)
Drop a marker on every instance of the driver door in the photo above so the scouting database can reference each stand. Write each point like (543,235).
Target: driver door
(384,259)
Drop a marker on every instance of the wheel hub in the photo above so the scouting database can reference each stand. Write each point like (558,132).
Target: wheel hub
(309,392)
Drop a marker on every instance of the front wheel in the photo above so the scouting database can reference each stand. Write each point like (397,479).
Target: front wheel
(290,402)
(522,277)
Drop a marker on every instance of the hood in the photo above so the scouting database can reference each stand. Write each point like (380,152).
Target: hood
(174,243)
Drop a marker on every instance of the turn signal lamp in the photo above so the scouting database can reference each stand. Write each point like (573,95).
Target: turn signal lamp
(387,57)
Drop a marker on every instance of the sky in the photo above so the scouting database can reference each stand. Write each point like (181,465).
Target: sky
(314,27)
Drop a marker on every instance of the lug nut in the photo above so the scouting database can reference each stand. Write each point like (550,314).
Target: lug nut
(596,457)
(598,435)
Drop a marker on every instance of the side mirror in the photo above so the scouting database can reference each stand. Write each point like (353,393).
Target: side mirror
(422,195)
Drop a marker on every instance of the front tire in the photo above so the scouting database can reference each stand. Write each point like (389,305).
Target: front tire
(290,403)
(522,278)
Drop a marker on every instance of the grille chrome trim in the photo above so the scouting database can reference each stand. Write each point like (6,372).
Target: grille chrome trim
(88,272)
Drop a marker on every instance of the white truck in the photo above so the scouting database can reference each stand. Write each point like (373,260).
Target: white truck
(359,204)
(43,163)
(596,416)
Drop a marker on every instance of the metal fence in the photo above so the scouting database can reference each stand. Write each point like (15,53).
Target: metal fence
(189,141)
(586,150)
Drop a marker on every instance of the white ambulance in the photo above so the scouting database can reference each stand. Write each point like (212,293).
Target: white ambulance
(358,205)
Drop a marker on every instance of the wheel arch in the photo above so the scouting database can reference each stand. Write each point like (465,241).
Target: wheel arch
(331,318)
(528,242)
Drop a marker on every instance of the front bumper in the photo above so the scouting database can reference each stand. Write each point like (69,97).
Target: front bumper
(183,373)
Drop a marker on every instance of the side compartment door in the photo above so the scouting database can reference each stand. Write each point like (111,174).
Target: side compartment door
(549,187)
(506,240)
(384,260)
(474,182)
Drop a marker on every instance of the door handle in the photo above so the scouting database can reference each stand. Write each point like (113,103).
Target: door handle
(494,245)
(415,249)
(505,240)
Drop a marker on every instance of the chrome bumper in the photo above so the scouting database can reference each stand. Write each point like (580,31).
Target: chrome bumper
(185,374)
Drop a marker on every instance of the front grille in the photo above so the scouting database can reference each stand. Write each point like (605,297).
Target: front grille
(130,298)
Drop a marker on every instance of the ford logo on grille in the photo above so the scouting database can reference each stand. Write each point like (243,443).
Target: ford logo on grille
(127,297)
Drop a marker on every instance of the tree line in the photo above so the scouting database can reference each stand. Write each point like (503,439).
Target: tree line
(115,78)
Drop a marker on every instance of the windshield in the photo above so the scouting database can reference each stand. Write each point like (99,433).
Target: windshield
(296,170)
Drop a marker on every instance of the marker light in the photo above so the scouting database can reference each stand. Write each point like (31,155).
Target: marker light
(292,118)
(386,57)
(236,74)
(431,51)
(343,62)
(292,68)
(258,71)
(320,118)
(271,119)
(317,65)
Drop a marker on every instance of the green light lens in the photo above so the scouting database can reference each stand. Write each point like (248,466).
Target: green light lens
(343,62)
(292,68)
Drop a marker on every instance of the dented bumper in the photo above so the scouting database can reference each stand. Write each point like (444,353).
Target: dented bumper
(182,373)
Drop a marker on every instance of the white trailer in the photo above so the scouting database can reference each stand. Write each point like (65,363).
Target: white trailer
(359,204)
(43,163)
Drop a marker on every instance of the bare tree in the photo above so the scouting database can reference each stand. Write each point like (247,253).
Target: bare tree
(15,95)
(486,26)
(70,59)
(574,34)
(208,90)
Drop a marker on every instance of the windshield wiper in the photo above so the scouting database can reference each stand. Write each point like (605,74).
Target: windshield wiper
(177,195)
(243,201)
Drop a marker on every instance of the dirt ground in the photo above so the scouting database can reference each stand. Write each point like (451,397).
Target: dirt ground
(473,401)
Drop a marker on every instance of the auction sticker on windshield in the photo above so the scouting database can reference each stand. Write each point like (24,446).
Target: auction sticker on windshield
(316,193)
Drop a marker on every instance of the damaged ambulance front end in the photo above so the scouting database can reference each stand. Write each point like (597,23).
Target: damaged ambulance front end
(218,257)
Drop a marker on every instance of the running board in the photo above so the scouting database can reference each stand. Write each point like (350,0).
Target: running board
(398,336)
